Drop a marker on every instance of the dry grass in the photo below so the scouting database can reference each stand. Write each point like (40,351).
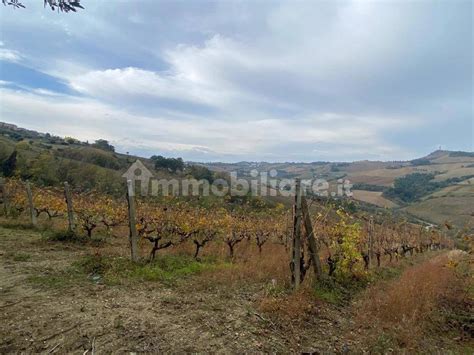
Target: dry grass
(458,210)
(373,197)
(405,308)
(295,306)
(249,267)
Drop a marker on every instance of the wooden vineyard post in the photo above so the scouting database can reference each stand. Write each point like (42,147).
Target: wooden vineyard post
(370,252)
(296,256)
(312,246)
(5,201)
(70,210)
(132,221)
(30,203)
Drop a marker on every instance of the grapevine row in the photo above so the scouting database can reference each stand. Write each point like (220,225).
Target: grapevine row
(347,243)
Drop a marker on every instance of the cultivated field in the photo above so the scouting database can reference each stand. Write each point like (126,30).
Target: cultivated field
(373,197)
(443,165)
(458,210)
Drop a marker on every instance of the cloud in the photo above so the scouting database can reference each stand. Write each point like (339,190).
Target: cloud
(10,55)
(270,80)
(351,57)
(89,119)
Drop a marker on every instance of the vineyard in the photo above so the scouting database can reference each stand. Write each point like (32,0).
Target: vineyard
(213,276)
(235,177)
(348,244)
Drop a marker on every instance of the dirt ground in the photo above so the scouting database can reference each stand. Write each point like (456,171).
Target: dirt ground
(135,318)
(146,317)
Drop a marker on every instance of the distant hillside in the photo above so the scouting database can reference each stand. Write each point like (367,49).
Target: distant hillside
(50,160)
(436,187)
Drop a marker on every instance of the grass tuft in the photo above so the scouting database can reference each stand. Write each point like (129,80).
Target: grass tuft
(167,268)
(21,225)
(21,257)
(18,256)
(64,236)
(330,293)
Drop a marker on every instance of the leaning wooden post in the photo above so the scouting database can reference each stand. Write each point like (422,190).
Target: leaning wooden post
(132,221)
(370,252)
(70,210)
(312,246)
(30,203)
(296,261)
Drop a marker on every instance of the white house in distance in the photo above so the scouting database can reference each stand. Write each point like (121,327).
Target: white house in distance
(139,172)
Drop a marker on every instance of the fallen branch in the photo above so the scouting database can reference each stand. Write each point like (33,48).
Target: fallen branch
(9,304)
(93,346)
(54,348)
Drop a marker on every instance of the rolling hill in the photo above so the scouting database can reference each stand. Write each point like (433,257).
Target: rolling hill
(50,160)
(448,193)
(434,188)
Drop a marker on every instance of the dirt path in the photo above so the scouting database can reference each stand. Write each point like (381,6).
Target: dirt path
(143,317)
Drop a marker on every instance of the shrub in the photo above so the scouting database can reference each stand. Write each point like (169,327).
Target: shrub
(64,236)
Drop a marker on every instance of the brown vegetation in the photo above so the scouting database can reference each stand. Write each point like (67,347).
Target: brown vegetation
(419,302)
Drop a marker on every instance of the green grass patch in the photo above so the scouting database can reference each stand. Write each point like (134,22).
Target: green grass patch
(63,236)
(21,225)
(329,294)
(21,257)
(166,269)
(56,280)
(67,236)
(338,292)
(18,256)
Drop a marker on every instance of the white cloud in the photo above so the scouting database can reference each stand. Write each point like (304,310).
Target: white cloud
(195,75)
(270,79)
(10,55)
(134,83)
(88,119)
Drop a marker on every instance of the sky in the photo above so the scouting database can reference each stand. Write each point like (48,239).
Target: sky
(245,80)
